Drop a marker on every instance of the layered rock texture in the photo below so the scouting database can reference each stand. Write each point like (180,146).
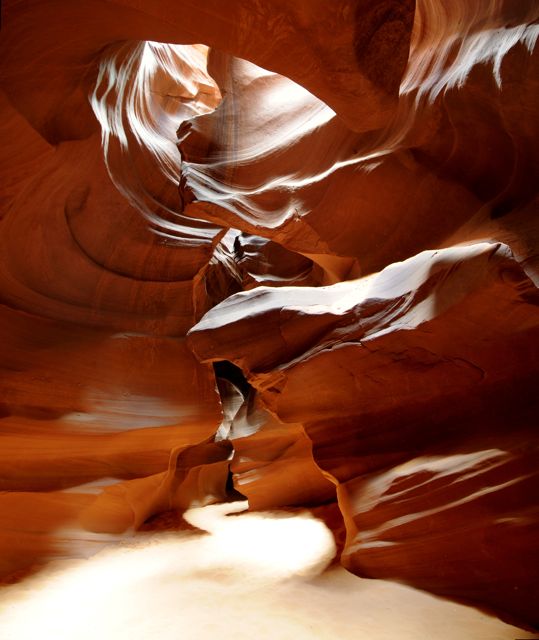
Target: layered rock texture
(281,249)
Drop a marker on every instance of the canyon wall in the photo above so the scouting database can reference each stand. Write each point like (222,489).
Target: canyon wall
(282,249)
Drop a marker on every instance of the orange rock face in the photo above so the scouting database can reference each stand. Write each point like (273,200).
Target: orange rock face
(287,250)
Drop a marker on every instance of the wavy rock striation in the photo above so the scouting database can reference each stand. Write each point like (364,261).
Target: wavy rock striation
(282,249)
(425,428)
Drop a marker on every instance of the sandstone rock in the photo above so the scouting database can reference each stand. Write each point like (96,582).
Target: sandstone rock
(281,249)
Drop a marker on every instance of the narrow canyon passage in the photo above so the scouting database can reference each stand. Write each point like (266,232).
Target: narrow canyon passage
(279,257)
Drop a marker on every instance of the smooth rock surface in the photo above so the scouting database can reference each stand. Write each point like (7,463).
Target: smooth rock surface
(284,250)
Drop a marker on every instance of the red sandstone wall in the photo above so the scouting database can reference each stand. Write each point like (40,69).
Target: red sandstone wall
(340,199)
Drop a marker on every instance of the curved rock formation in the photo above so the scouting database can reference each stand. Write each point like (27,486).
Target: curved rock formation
(422,425)
(287,250)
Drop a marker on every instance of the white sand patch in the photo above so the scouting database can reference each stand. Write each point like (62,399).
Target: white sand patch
(253,576)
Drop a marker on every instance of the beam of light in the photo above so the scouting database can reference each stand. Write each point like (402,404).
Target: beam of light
(252,576)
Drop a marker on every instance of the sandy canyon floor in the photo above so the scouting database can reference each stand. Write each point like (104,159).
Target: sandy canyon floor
(249,576)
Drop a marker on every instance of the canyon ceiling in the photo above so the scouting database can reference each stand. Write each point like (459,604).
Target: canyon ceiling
(287,249)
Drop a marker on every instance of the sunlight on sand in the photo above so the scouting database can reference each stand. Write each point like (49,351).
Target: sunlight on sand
(252,576)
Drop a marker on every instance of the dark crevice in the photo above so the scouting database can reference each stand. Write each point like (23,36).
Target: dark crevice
(228,371)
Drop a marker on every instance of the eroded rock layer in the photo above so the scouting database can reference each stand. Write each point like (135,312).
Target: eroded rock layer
(425,428)
(287,250)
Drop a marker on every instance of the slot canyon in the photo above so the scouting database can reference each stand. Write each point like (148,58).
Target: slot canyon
(269,319)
